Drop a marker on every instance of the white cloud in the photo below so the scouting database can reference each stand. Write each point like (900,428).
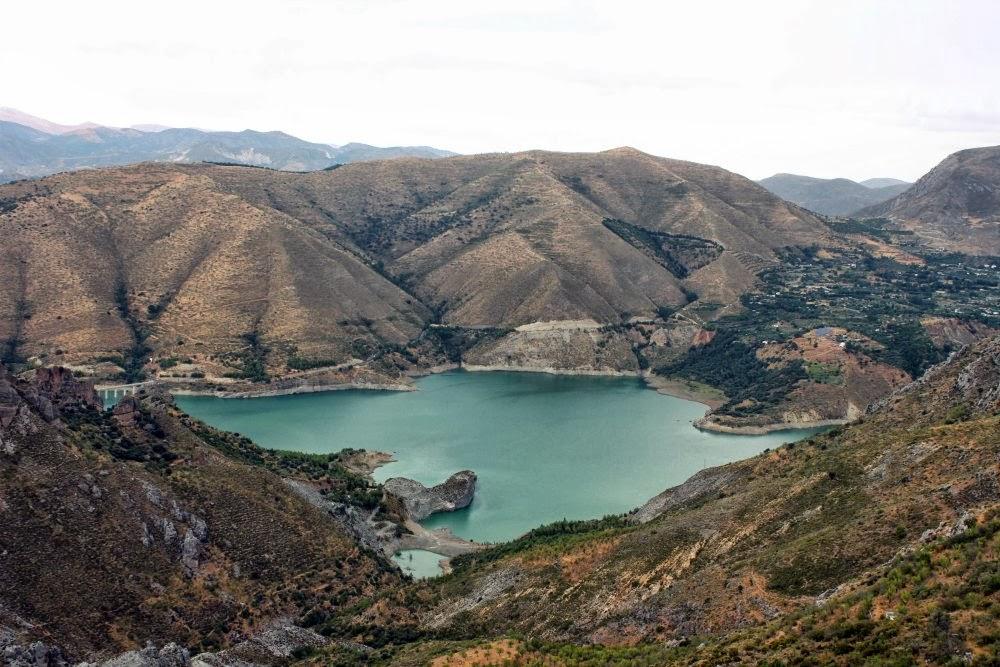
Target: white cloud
(851,88)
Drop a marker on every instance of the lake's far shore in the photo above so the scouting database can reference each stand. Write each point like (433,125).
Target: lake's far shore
(548,370)
(288,391)
(680,388)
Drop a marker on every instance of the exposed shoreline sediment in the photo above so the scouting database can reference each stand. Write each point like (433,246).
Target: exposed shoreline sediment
(706,424)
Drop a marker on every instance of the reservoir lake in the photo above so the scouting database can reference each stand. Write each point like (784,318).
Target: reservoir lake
(545,447)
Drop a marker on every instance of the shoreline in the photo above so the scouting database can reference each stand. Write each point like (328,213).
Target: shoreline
(704,424)
(548,370)
(708,396)
(289,391)
(682,389)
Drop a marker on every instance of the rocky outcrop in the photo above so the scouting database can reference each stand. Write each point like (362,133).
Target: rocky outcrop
(979,382)
(51,391)
(10,400)
(127,412)
(706,483)
(275,645)
(573,346)
(33,654)
(54,390)
(361,523)
(170,655)
(453,494)
(271,647)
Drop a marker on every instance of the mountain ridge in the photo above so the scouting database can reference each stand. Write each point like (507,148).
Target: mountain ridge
(955,206)
(834,196)
(35,147)
(497,240)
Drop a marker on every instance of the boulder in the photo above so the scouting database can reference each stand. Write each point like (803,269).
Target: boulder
(454,493)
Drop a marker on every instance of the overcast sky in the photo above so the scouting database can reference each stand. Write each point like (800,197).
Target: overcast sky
(830,88)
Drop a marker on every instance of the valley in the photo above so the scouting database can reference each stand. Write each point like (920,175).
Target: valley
(498,321)
(686,354)
(239,281)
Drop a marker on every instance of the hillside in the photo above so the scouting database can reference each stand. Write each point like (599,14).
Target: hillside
(836,521)
(505,240)
(29,153)
(955,206)
(834,196)
(883,182)
(246,280)
(355,152)
(156,258)
(10,115)
(241,268)
(142,525)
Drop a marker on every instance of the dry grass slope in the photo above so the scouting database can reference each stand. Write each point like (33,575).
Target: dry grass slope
(192,260)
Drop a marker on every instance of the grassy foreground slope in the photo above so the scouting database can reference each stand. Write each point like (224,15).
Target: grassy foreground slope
(934,605)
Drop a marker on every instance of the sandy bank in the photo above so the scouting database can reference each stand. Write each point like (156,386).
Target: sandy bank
(689,391)
(440,541)
(604,372)
(705,424)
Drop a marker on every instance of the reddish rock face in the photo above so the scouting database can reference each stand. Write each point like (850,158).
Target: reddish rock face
(703,337)
(61,387)
(51,390)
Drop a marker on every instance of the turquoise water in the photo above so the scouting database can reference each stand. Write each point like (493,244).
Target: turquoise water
(418,563)
(545,447)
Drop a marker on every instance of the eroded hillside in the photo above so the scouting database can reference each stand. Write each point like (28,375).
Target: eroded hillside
(140,525)
(955,206)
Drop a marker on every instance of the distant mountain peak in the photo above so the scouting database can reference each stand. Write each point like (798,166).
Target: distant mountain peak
(830,196)
(884,182)
(12,115)
(36,147)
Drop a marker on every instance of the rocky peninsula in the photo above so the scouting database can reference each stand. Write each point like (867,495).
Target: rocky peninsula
(420,501)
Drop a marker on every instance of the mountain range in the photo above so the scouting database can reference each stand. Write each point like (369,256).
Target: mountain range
(31,147)
(375,251)
(833,196)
